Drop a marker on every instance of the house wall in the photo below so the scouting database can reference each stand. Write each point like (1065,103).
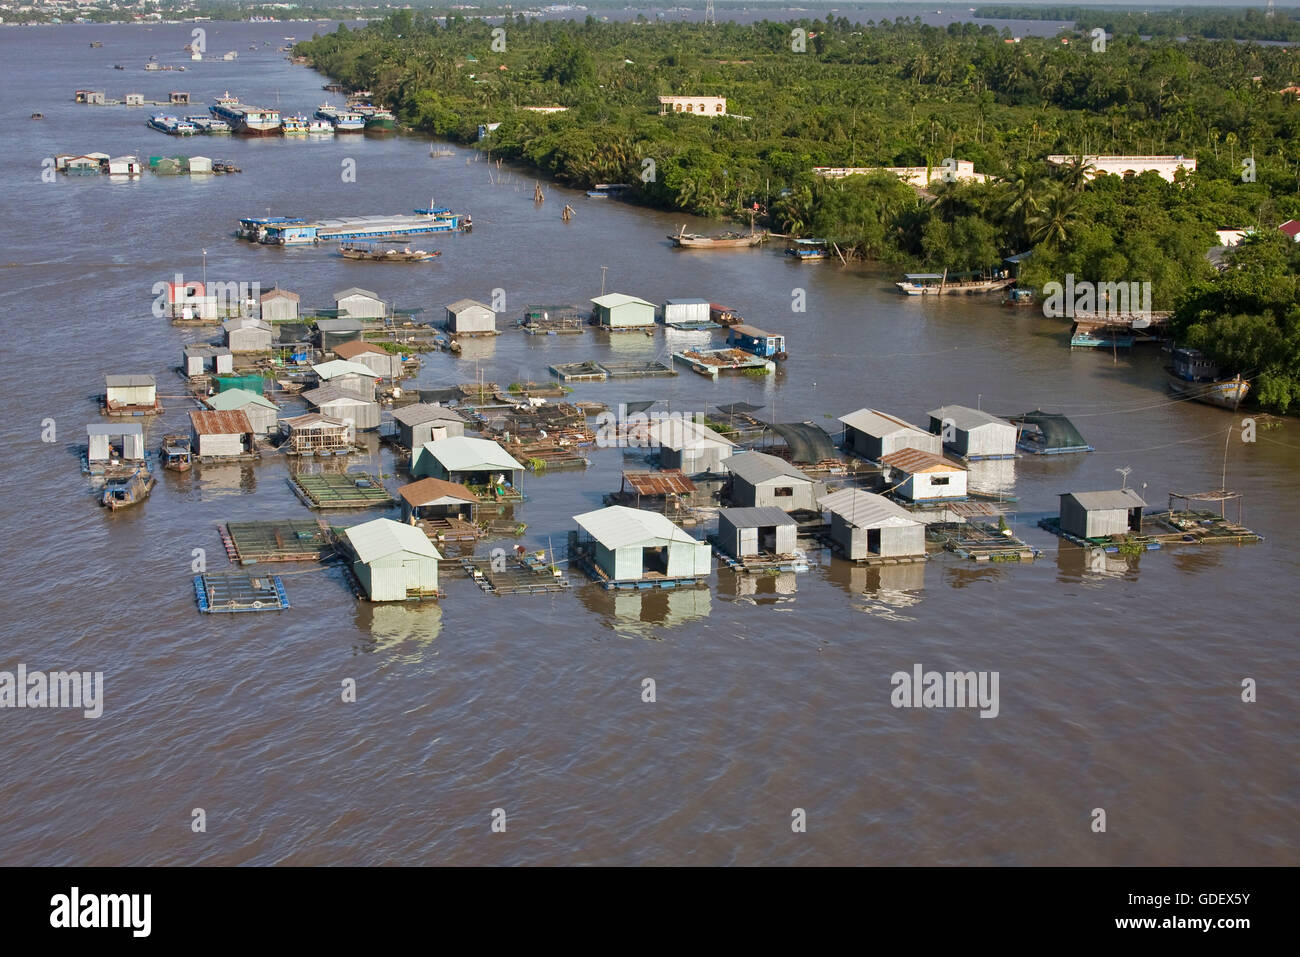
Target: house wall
(414,436)
(908,439)
(686,312)
(219,444)
(902,540)
(389,366)
(389,578)
(353,382)
(279,309)
(263,420)
(988,440)
(805,494)
(688,559)
(360,307)
(695,460)
(472,319)
(363,417)
(132,395)
(97,448)
(921,487)
(628,314)
(249,339)
(850,538)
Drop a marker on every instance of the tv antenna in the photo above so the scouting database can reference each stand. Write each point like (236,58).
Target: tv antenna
(1124,470)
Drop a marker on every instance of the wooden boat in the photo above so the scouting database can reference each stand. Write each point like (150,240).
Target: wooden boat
(807,250)
(440,151)
(38,116)
(1195,376)
(728,240)
(939,284)
(177,453)
(369,252)
(1019,297)
(125,492)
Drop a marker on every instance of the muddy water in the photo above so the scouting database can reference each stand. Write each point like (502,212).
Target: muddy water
(1119,687)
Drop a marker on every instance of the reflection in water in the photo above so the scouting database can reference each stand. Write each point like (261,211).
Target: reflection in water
(484,348)
(643,613)
(992,476)
(885,588)
(959,576)
(765,588)
(1193,559)
(234,478)
(402,630)
(1074,563)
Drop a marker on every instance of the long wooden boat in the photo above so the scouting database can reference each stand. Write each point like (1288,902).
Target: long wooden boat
(1195,376)
(125,492)
(368,252)
(728,240)
(938,284)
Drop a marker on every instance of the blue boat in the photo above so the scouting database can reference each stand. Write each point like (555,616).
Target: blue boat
(808,250)
(753,340)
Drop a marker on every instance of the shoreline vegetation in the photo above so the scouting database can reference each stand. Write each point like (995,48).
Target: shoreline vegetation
(900,94)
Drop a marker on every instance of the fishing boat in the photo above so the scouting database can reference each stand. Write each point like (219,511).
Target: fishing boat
(343,121)
(370,252)
(944,284)
(244,119)
(319,127)
(38,116)
(807,250)
(177,453)
(440,151)
(208,124)
(380,121)
(294,126)
(728,240)
(1019,297)
(1195,376)
(607,190)
(171,125)
(132,490)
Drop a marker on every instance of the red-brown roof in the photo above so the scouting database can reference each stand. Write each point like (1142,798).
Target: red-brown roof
(431,489)
(667,482)
(280,294)
(917,460)
(1291,227)
(350,350)
(220,423)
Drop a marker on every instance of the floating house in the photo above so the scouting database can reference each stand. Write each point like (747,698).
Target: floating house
(279,305)
(392,561)
(334,332)
(355,303)
(424,422)
(125,166)
(866,526)
(247,335)
(924,476)
(759,480)
(101,449)
(221,434)
(689,446)
(753,340)
(313,433)
(756,532)
(352,376)
(631,545)
(1048,433)
(469,317)
(200,164)
(83,166)
(263,414)
(686,311)
(432,498)
(131,395)
(201,360)
(376,359)
(872,434)
(466,460)
(617,311)
(133,99)
(972,433)
(1100,514)
(357,410)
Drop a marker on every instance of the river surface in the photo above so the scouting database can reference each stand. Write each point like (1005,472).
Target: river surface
(1120,687)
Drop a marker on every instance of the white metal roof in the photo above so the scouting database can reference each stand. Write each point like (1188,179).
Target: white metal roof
(1124,498)
(621,527)
(237,399)
(878,424)
(461,453)
(460,305)
(866,509)
(425,412)
(127,381)
(755,467)
(353,291)
(615,299)
(383,537)
(338,367)
(677,434)
(966,418)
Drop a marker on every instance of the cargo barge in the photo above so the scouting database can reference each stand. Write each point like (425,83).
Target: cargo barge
(282,231)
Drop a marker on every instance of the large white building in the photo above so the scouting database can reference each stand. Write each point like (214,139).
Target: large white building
(1166,166)
(694,105)
(918,176)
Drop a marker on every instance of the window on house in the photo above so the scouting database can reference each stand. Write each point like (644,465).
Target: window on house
(688,108)
(701,107)
(785,492)
(939,480)
(718,108)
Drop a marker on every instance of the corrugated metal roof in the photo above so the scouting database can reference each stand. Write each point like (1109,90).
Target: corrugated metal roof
(755,467)
(913,461)
(313,420)
(966,418)
(383,537)
(206,351)
(676,434)
(1124,498)
(278,293)
(127,381)
(621,527)
(237,399)
(756,517)
(433,491)
(667,482)
(245,322)
(422,412)
(220,423)
(686,302)
(461,453)
(126,428)
(878,424)
(338,367)
(350,350)
(752,331)
(332,393)
(615,299)
(354,291)
(866,509)
(339,325)
(460,305)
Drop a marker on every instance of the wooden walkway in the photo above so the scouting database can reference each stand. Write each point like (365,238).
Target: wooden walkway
(512,577)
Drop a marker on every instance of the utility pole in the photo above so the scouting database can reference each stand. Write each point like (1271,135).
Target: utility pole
(709,19)
(602,279)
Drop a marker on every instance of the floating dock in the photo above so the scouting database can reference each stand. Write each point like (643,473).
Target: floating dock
(580,554)
(579,372)
(1165,528)
(287,540)
(234,592)
(515,578)
(757,564)
(981,542)
(340,490)
(710,362)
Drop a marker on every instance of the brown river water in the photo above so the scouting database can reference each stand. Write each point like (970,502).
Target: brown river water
(1119,688)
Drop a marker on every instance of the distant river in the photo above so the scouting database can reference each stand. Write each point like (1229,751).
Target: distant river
(1119,687)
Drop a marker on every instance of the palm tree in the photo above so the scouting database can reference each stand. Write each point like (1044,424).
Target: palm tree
(1051,226)
(1076,172)
(1021,201)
